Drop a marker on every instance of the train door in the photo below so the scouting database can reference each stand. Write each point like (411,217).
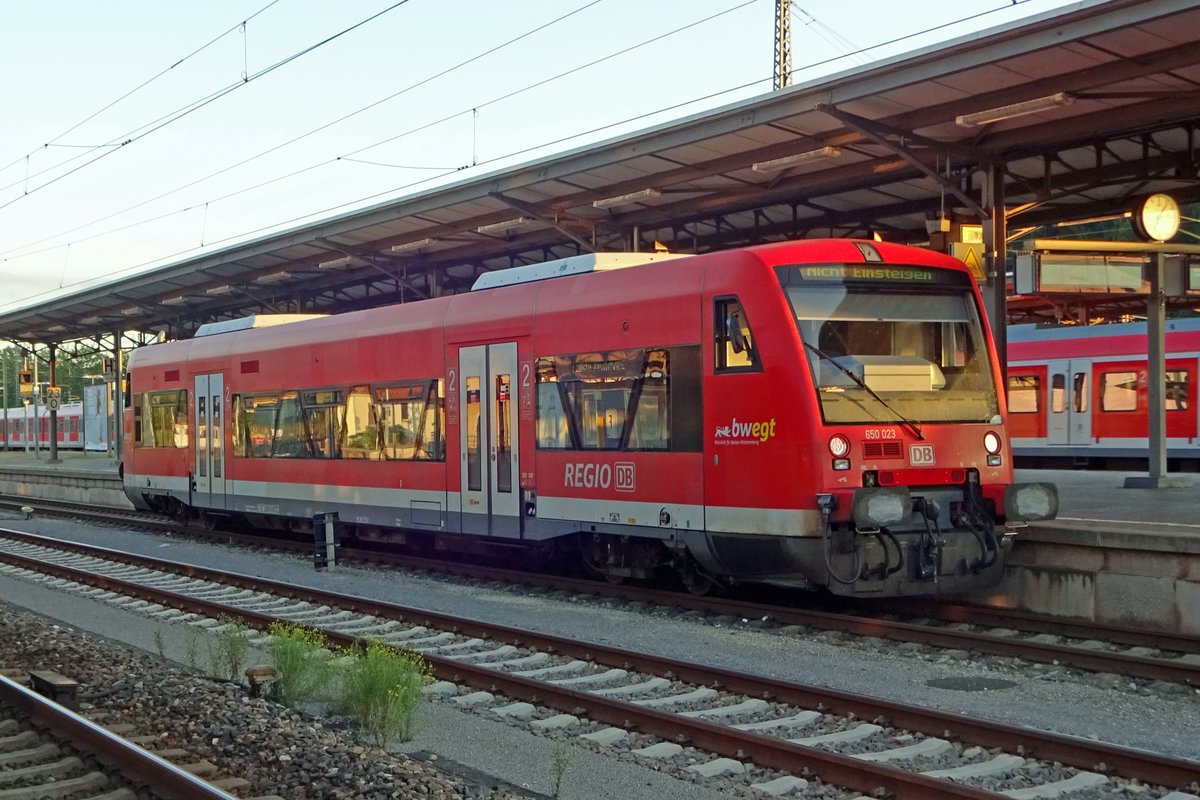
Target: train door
(209,436)
(1069,419)
(487,388)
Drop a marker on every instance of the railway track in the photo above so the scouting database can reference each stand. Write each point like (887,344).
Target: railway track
(49,751)
(1135,653)
(779,735)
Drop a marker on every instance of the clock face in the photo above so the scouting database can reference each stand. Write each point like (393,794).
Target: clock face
(1158,217)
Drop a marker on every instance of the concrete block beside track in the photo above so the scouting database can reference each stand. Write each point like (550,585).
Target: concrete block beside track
(1116,574)
(73,479)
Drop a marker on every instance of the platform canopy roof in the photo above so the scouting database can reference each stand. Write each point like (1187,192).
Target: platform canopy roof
(1082,112)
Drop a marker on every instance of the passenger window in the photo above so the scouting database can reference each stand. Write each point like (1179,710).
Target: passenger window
(400,422)
(325,416)
(411,419)
(1024,394)
(734,346)
(160,419)
(620,400)
(1081,391)
(1058,394)
(361,437)
(1176,395)
(254,425)
(290,437)
(1118,391)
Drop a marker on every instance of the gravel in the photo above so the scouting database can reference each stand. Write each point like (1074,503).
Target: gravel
(279,750)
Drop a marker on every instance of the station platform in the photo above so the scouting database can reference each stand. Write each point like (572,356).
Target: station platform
(68,461)
(1117,555)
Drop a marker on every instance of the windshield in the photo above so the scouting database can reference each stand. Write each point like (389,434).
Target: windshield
(890,351)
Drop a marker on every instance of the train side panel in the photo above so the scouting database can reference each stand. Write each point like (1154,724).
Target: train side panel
(1086,394)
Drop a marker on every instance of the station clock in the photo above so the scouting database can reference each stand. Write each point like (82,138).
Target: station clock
(1156,218)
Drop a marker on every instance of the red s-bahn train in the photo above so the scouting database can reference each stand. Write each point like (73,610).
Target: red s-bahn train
(20,428)
(1078,395)
(812,413)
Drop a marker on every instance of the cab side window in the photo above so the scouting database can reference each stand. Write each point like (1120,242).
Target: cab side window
(733,346)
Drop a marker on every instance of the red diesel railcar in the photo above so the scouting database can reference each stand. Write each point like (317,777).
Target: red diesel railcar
(813,413)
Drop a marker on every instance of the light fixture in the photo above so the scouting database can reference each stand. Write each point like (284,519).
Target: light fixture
(273,277)
(990,115)
(336,263)
(178,300)
(417,245)
(219,290)
(776,164)
(132,311)
(500,227)
(89,320)
(626,199)
(56,328)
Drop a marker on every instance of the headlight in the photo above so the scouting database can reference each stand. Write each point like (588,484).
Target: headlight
(991,442)
(839,446)
(881,507)
(1027,502)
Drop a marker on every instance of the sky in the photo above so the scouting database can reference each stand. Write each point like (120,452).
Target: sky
(138,133)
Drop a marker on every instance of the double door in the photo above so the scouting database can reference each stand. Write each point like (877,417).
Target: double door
(208,475)
(1069,419)
(490,469)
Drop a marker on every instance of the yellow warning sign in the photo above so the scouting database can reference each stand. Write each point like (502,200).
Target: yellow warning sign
(971,254)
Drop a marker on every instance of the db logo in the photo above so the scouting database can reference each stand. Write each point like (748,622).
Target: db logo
(921,455)
(626,477)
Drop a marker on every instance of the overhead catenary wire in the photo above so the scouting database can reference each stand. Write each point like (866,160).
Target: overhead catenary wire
(444,173)
(8,255)
(165,120)
(311,132)
(54,141)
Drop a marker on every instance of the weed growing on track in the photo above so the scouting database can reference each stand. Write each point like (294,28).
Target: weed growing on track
(191,648)
(381,688)
(560,762)
(303,667)
(227,649)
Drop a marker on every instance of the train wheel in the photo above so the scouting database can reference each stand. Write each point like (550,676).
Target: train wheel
(695,581)
(178,512)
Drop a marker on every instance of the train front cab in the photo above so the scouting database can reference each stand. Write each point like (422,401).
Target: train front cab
(889,440)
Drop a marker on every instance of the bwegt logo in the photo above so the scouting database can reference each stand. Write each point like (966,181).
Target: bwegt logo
(760,431)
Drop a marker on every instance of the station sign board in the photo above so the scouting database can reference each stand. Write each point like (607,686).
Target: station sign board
(1081,273)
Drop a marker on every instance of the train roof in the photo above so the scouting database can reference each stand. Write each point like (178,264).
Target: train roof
(252,321)
(576,265)
(1019,334)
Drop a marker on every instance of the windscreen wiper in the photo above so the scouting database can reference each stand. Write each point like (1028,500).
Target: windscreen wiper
(908,423)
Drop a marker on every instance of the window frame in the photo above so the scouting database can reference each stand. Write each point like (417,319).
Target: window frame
(673,397)
(1035,389)
(723,305)
(1127,376)
(182,410)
